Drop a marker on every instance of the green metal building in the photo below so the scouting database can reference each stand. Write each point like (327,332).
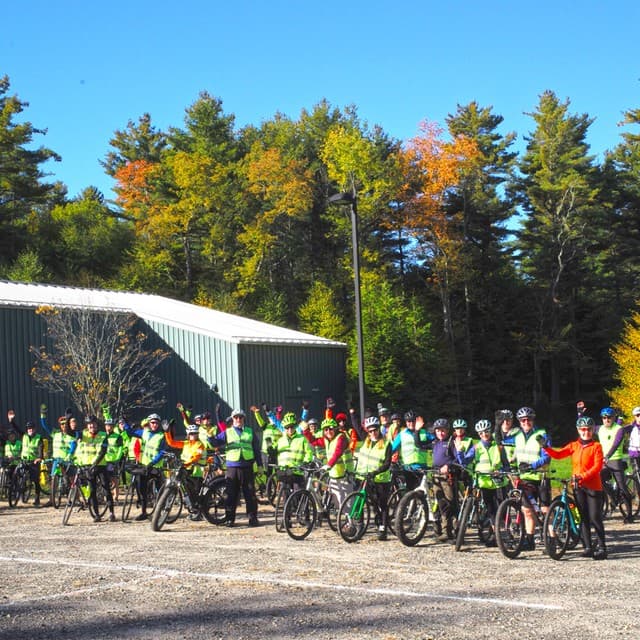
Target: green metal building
(250,362)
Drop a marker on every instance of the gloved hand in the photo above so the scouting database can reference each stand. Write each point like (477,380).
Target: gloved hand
(305,404)
(43,409)
(542,440)
(165,425)
(325,467)
(330,403)
(523,467)
(265,407)
(68,413)
(180,406)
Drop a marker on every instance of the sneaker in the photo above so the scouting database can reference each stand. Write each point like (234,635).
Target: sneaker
(142,516)
(600,554)
(195,516)
(36,502)
(112,517)
(97,519)
(253,521)
(382,533)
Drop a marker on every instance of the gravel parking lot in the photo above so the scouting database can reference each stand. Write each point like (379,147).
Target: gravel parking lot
(193,580)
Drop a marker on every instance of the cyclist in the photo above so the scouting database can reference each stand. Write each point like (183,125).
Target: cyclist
(465,451)
(487,459)
(446,484)
(316,430)
(12,452)
(611,436)
(63,445)
(412,443)
(193,456)
(532,462)
(587,461)
(339,457)
(293,450)
(243,449)
(114,455)
(374,462)
(91,451)
(270,436)
(505,433)
(384,415)
(152,446)
(32,452)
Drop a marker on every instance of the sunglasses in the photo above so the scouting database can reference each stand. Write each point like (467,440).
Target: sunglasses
(585,428)
(526,419)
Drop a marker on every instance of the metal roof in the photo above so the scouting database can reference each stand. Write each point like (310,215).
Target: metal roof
(182,315)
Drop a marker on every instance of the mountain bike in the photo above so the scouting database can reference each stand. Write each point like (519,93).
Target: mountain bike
(417,510)
(562,523)
(155,482)
(306,508)
(473,511)
(79,496)
(510,521)
(210,501)
(613,499)
(286,478)
(21,484)
(633,485)
(6,473)
(60,481)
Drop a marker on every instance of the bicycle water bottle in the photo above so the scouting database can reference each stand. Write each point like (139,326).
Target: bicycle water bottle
(575,512)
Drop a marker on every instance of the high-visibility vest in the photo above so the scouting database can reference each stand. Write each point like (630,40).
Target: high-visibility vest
(30,447)
(239,446)
(606,436)
(62,445)
(344,463)
(191,449)
(294,451)
(151,444)
(410,453)
(371,456)
(115,451)
(488,459)
(89,448)
(528,451)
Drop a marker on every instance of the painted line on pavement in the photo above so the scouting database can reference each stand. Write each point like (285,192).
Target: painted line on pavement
(243,577)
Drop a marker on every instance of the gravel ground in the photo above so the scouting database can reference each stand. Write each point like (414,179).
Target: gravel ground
(193,580)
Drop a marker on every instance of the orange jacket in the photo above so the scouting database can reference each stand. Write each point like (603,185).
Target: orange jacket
(586,460)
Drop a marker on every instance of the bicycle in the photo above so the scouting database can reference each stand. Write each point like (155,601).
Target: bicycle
(80,495)
(633,485)
(6,473)
(286,477)
(174,495)
(417,510)
(306,508)
(562,523)
(60,481)
(510,521)
(154,486)
(613,498)
(354,514)
(21,484)
(473,511)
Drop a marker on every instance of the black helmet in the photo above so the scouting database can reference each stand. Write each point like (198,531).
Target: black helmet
(30,424)
(410,415)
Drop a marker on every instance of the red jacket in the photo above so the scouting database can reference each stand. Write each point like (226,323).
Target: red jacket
(586,460)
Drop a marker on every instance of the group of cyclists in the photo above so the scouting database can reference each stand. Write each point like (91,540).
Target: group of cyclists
(379,447)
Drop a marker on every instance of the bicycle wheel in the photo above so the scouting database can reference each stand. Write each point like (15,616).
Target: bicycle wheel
(58,486)
(128,500)
(633,487)
(392,505)
(485,526)
(606,502)
(412,518)
(176,510)
(26,486)
(213,502)
(509,528)
(463,521)
(556,529)
(354,516)
(101,497)
(71,503)
(300,514)
(164,506)
(155,486)
(271,489)
(330,509)
(14,490)
(281,500)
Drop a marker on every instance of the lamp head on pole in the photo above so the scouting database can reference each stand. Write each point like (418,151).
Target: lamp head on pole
(343,197)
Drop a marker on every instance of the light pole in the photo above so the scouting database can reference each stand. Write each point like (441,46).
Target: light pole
(351,200)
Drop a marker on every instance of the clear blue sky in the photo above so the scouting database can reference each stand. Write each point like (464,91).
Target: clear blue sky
(86,67)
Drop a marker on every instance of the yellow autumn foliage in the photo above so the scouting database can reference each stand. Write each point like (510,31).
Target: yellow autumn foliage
(626,355)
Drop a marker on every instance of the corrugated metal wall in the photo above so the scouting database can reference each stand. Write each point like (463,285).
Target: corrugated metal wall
(287,375)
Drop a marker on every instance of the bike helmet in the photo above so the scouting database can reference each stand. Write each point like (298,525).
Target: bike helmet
(607,412)
(192,428)
(410,416)
(383,411)
(441,423)
(197,418)
(585,421)
(525,412)
(30,424)
(504,414)
(371,422)
(341,417)
(482,426)
(238,413)
(87,420)
(636,411)
(459,423)
(329,423)
(109,421)
(313,422)
(151,416)
(395,416)
(289,420)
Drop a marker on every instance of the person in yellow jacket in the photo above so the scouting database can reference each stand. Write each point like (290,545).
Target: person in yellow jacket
(374,462)
(32,454)
(194,457)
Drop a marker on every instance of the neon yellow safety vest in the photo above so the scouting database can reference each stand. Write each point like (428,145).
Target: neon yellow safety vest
(606,436)
(371,457)
(344,463)
(151,443)
(189,451)
(114,451)
(294,451)
(487,459)
(270,437)
(528,450)
(239,446)
(89,448)
(61,446)
(409,452)
(13,450)
(30,447)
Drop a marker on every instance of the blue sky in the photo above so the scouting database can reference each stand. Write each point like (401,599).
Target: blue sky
(87,68)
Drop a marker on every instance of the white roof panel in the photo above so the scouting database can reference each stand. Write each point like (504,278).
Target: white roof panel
(182,315)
